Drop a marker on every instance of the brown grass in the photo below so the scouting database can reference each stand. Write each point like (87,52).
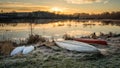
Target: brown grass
(35,39)
(6,47)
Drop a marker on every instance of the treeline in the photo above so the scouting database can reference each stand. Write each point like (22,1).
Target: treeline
(33,15)
(48,15)
(105,15)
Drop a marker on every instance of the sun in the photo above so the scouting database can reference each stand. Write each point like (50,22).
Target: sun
(56,9)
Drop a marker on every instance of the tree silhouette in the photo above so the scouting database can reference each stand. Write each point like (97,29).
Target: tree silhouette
(49,15)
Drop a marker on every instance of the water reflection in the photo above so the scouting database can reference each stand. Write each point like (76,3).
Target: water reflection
(20,29)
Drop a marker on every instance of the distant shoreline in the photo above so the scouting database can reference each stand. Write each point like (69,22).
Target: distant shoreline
(48,15)
(53,20)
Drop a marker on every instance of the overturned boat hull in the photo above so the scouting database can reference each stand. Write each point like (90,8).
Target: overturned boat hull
(28,49)
(76,46)
(91,41)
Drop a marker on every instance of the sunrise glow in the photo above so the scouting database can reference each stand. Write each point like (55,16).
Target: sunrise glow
(56,9)
(64,6)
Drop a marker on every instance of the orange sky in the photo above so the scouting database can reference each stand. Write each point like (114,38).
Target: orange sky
(62,6)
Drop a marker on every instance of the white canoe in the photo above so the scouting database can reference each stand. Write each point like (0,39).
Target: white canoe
(28,49)
(17,50)
(76,46)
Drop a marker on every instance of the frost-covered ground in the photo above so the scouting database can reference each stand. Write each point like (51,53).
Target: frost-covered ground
(55,57)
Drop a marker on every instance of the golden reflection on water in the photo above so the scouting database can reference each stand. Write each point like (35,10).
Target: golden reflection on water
(74,28)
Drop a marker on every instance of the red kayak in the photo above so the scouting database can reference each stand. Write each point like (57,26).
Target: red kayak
(91,41)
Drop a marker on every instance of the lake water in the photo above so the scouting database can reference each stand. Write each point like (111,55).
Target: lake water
(21,29)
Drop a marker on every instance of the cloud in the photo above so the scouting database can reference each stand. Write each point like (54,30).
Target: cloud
(105,2)
(85,1)
(19,6)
